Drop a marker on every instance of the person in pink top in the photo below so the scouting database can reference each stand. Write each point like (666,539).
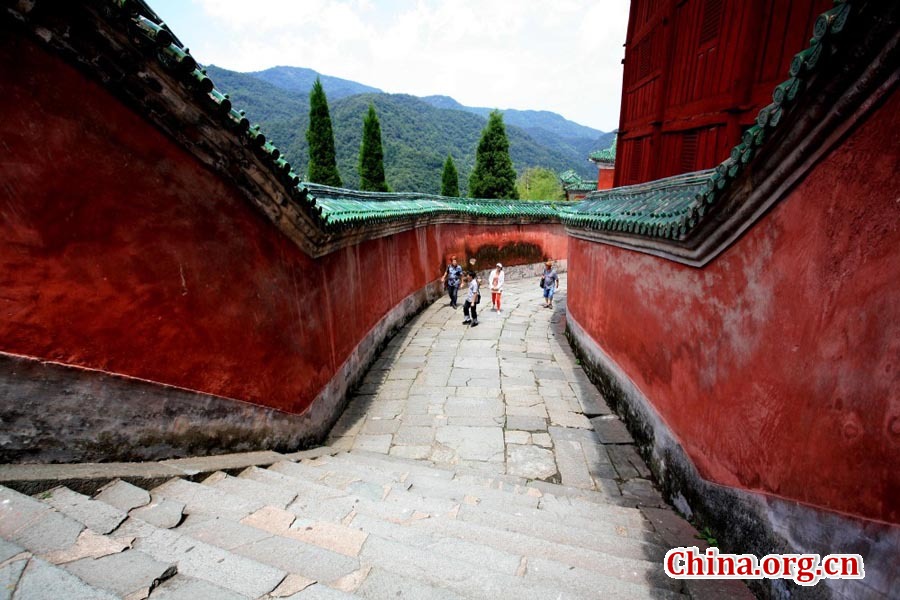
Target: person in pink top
(495,281)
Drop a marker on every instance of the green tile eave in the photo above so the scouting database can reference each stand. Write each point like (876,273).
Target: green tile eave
(668,207)
(605,156)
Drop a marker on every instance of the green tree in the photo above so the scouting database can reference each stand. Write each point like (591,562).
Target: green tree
(493,176)
(371,155)
(539,183)
(449,179)
(320,137)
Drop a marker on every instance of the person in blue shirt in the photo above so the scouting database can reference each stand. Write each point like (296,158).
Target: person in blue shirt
(550,283)
(452,277)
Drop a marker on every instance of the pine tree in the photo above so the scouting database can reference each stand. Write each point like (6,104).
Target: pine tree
(322,162)
(450,179)
(371,156)
(494,176)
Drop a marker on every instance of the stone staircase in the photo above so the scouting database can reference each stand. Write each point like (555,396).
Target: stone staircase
(340,525)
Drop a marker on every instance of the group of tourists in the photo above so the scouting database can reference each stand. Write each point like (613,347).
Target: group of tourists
(454,277)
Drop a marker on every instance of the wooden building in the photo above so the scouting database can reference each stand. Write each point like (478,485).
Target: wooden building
(696,74)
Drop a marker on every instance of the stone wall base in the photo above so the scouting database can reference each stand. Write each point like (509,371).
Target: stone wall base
(744,521)
(52,412)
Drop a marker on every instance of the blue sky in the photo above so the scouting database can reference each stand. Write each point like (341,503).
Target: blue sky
(557,55)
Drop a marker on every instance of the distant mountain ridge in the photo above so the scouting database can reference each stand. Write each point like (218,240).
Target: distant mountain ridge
(526,119)
(418,134)
(299,79)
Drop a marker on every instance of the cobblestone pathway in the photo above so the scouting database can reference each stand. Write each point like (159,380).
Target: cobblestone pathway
(506,397)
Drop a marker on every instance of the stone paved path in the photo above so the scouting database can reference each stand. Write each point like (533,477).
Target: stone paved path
(505,397)
(449,489)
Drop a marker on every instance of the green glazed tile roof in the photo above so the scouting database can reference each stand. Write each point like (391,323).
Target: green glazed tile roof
(607,156)
(572,182)
(667,208)
(664,207)
(342,207)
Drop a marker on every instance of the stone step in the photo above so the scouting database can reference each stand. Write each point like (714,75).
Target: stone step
(472,581)
(383,525)
(58,537)
(629,562)
(98,516)
(31,578)
(486,546)
(515,532)
(229,529)
(401,464)
(251,490)
(200,560)
(597,502)
(204,500)
(341,503)
(428,486)
(633,526)
(182,587)
(35,526)
(285,553)
(123,495)
(571,532)
(381,584)
(130,573)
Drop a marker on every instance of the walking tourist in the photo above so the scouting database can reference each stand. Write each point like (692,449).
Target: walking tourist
(550,283)
(472,299)
(451,279)
(495,279)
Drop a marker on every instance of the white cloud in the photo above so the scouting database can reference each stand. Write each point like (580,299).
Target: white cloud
(557,55)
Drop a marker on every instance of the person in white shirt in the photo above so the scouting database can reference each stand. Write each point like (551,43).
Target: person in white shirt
(472,300)
(495,280)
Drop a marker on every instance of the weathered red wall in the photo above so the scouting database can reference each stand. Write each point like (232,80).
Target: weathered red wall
(120,252)
(777,366)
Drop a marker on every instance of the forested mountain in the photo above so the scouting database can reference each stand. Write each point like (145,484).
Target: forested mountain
(417,136)
(297,79)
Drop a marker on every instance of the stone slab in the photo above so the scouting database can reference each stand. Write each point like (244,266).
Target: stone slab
(473,443)
(124,573)
(526,423)
(611,430)
(40,579)
(35,526)
(98,516)
(161,512)
(123,495)
(530,462)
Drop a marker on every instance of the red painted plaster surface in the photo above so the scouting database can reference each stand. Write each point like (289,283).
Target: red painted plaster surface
(605,178)
(777,366)
(120,252)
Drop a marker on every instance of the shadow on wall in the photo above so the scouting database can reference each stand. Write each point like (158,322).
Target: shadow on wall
(515,253)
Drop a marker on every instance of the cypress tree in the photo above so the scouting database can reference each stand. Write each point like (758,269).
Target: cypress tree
(494,176)
(371,156)
(449,179)
(322,161)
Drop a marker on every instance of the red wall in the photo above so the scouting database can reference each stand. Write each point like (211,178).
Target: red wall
(697,72)
(122,253)
(777,366)
(605,178)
